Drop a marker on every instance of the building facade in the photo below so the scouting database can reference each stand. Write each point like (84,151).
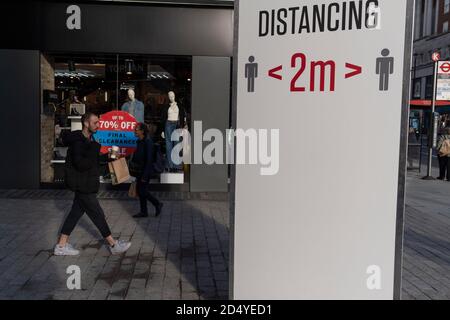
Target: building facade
(61,59)
(431,34)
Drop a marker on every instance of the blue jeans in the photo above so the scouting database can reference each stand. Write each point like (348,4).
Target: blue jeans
(171,126)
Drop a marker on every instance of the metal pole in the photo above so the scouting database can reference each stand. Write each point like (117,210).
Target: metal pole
(421,140)
(431,128)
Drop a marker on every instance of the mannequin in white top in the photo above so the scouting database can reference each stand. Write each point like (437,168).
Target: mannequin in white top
(173,112)
(173,118)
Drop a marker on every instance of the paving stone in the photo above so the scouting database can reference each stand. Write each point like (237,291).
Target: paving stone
(184,253)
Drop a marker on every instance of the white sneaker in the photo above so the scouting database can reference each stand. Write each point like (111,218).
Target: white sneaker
(120,247)
(66,250)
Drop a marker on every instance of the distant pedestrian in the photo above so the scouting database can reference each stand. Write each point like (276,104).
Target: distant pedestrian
(82,177)
(141,167)
(443,149)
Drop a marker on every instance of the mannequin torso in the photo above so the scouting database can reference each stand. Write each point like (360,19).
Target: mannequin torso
(135,108)
(173,112)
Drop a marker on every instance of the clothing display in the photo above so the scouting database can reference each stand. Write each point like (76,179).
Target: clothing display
(135,108)
(171,126)
(173,117)
(173,112)
(181,116)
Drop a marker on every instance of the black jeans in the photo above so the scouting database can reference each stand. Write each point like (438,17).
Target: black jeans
(86,202)
(145,195)
(444,167)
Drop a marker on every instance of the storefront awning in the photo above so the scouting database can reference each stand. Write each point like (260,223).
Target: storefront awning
(427,103)
(442,107)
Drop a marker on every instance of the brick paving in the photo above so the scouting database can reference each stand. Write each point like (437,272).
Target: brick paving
(182,254)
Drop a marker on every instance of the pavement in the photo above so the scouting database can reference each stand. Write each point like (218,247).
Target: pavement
(426,254)
(183,253)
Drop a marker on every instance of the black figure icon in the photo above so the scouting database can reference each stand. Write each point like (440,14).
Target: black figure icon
(385,67)
(251,72)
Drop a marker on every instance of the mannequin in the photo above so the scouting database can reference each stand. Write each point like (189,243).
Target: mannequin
(173,117)
(134,106)
(71,99)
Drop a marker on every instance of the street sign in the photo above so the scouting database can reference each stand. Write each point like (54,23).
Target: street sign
(443,81)
(328,224)
(436,56)
(444,67)
(117,129)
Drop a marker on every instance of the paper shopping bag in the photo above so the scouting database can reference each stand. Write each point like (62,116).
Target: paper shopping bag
(132,192)
(119,171)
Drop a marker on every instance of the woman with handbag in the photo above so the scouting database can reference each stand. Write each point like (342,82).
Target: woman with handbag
(141,167)
(444,155)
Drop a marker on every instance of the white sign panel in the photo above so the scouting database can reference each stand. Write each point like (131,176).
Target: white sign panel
(328,75)
(443,81)
(444,68)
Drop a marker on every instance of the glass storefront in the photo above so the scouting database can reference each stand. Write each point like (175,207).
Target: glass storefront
(103,83)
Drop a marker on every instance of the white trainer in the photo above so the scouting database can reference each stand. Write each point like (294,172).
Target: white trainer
(66,250)
(120,247)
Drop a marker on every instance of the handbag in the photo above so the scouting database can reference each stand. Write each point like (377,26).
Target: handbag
(445,148)
(132,192)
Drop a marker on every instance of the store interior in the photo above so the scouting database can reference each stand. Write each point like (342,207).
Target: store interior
(102,83)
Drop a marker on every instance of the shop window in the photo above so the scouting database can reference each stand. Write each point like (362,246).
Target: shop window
(138,84)
(417,89)
(429,88)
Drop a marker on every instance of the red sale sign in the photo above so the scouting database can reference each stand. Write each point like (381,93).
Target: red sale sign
(117,129)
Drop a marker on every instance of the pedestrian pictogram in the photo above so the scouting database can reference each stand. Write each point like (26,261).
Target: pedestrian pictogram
(385,67)
(251,72)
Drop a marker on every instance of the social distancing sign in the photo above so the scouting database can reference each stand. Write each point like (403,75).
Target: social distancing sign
(333,79)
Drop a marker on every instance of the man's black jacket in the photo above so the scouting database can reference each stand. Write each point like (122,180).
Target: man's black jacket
(83,161)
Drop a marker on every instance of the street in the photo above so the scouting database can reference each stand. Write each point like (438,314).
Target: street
(182,254)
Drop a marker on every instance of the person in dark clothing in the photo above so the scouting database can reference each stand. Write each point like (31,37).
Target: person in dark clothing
(142,168)
(82,176)
(444,159)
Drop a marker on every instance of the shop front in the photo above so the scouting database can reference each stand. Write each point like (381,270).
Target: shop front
(159,64)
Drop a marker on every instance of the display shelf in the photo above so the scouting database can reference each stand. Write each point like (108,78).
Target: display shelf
(58,161)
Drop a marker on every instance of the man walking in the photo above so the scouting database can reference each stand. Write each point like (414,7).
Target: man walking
(82,177)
